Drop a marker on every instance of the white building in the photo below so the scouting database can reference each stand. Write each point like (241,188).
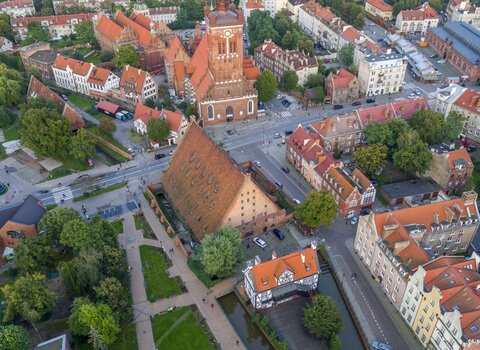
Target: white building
(136,86)
(60,6)
(463,11)
(416,21)
(72,74)
(379,8)
(445,96)
(5,44)
(274,6)
(281,278)
(163,14)
(101,81)
(382,74)
(18,8)
(57,26)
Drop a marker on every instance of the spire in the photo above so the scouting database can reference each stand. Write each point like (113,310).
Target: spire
(211,5)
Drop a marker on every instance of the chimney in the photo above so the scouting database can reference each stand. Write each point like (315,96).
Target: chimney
(126,67)
(399,246)
(274,255)
(302,255)
(313,244)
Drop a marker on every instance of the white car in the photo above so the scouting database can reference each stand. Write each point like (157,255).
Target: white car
(260,242)
(279,96)
(296,201)
(441,61)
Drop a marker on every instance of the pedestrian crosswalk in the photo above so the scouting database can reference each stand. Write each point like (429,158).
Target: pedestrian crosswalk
(284,114)
(62,193)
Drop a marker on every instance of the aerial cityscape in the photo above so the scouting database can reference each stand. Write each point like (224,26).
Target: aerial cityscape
(239,174)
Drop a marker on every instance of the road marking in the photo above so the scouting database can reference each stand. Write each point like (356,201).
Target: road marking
(62,193)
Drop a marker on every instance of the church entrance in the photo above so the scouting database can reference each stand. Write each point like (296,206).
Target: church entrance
(229,113)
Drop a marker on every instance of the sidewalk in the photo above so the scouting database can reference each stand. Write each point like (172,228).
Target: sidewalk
(214,316)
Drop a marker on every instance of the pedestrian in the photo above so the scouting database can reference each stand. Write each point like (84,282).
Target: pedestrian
(355,274)
(8,184)
(238,342)
(203,300)
(212,306)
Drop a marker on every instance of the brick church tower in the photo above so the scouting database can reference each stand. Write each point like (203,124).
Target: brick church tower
(220,78)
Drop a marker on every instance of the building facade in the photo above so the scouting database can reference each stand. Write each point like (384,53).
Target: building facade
(101,82)
(18,8)
(282,278)
(379,8)
(57,26)
(176,63)
(341,87)
(163,14)
(457,43)
(136,86)
(40,56)
(64,6)
(72,74)
(463,11)
(273,58)
(381,74)
(468,104)
(418,21)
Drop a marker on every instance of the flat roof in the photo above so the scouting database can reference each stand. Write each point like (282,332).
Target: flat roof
(410,188)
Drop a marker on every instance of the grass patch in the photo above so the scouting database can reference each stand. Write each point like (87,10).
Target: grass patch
(159,284)
(117,226)
(59,172)
(283,202)
(182,328)
(127,339)
(134,136)
(197,268)
(11,133)
(97,192)
(93,58)
(51,206)
(142,224)
(3,153)
(324,252)
(82,102)
(113,154)
(95,130)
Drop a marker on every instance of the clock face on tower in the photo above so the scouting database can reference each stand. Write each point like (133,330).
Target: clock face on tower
(227,33)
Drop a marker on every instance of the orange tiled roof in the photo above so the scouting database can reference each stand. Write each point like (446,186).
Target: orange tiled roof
(249,70)
(173,119)
(16,3)
(145,113)
(357,38)
(254,4)
(379,114)
(175,45)
(98,76)
(78,67)
(404,109)
(469,321)
(75,119)
(361,179)
(135,76)
(109,28)
(469,100)
(179,69)
(37,88)
(333,176)
(381,5)
(342,79)
(424,11)
(265,274)
(337,125)
(457,155)
(143,35)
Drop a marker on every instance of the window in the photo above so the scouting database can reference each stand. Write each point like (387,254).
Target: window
(417,330)
(427,328)
(422,319)
(210,112)
(250,107)
(423,338)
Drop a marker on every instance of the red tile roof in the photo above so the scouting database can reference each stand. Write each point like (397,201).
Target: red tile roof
(99,76)
(60,20)
(302,264)
(357,38)
(342,79)
(459,154)
(144,36)
(469,100)
(179,69)
(381,5)
(37,88)
(404,109)
(173,119)
(109,28)
(16,3)
(74,117)
(108,106)
(175,45)
(423,12)
(249,70)
(254,4)
(145,113)
(78,67)
(200,75)
(133,76)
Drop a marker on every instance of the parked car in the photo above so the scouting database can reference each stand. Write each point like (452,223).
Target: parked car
(471,149)
(159,155)
(337,107)
(279,96)
(381,346)
(354,220)
(477,83)
(260,242)
(280,235)
(286,103)
(370,100)
(43,191)
(356,103)
(288,132)
(296,201)
(434,56)
(230,131)
(81,177)
(285,169)
(257,163)
(64,97)
(279,184)
(277,135)
(441,61)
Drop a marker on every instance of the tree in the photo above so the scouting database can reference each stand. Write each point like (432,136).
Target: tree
(111,292)
(5,28)
(379,133)
(157,130)
(82,145)
(14,338)
(77,234)
(107,127)
(345,55)
(314,80)
(7,118)
(149,102)
(436,4)
(28,297)
(266,86)
(319,94)
(82,273)
(359,22)
(54,220)
(35,72)
(98,317)
(35,254)
(36,33)
(46,132)
(429,125)
(454,124)
(335,343)
(322,317)
(10,86)
(318,208)
(371,158)
(86,33)
(106,56)
(397,127)
(407,139)
(290,80)
(126,55)
(414,158)
(221,252)
(469,185)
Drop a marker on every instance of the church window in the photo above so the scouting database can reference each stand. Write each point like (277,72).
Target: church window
(229,111)
(250,107)
(210,112)
(233,47)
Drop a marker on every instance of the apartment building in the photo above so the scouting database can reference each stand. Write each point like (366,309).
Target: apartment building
(18,8)
(382,74)
(341,87)
(441,303)
(463,11)
(445,97)
(72,74)
(418,21)
(450,168)
(62,6)
(363,45)
(163,14)
(271,57)
(101,81)
(136,86)
(57,26)
(379,8)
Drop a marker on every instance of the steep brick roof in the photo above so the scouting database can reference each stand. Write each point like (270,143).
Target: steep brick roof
(469,100)
(254,4)
(423,12)
(109,28)
(175,45)
(75,119)
(16,3)
(201,181)
(135,76)
(145,113)
(179,69)
(249,70)
(143,35)
(265,274)
(37,88)
(459,155)
(173,119)
(98,76)
(78,67)
(342,79)
(200,75)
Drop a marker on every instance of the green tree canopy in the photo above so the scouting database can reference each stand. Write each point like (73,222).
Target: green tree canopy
(7,118)
(157,130)
(5,28)
(429,125)
(408,138)
(436,4)
(454,124)
(318,208)
(107,126)
(322,317)
(54,220)
(345,55)
(266,86)
(35,254)
(290,80)
(82,145)
(14,337)
(221,252)
(371,158)
(86,33)
(10,86)
(379,133)
(314,80)
(397,127)
(414,158)
(36,33)
(79,235)
(28,297)
(82,273)
(111,292)
(126,55)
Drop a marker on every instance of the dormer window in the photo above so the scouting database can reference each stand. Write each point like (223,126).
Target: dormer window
(264,282)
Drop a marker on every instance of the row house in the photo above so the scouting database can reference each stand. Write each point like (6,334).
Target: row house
(382,74)
(101,81)
(463,11)
(271,57)
(72,74)
(5,44)
(18,8)
(393,244)
(63,6)
(283,278)
(450,168)
(57,26)
(457,43)
(341,87)
(418,21)
(136,86)
(379,8)
(176,122)
(441,302)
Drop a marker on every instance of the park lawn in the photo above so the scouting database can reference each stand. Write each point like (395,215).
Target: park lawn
(117,226)
(69,166)
(93,58)
(83,102)
(95,193)
(127,339)
(159,284)
(181,329)
(142,224)
(11,133)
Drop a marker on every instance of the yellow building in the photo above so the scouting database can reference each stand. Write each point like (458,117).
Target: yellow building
(427,315)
